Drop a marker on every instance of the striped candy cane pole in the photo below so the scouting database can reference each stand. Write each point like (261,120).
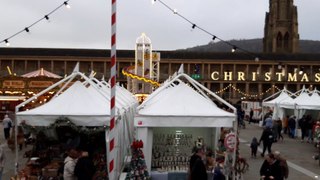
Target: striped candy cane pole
(112,130)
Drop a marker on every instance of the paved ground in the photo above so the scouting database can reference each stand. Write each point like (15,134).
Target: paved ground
(299,155)
(8,170)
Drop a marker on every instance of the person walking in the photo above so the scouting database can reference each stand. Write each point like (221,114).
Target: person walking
(279,130)
(254,147)
(197,168)
(283,165)
(270,168)
(285,124)
(303,126)
(292,126)
(267,138)
(251,116)
(2,161)
(69,165)
(7,124)
(269,123)
(84,169)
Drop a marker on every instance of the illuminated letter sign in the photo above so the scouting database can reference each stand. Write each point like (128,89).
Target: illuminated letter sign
(241,76)
(267,76)
(213,77)
(292,77)
(227,76)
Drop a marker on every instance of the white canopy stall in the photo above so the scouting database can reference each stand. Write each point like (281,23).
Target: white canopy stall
(84,104)
(281,97)
(185,106)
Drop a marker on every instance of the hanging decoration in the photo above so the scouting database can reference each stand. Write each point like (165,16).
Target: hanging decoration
(64,121)
(234,48)
(27,29)
(246,94)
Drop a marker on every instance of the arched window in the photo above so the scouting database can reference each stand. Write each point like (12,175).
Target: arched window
(286,41)
(279,41)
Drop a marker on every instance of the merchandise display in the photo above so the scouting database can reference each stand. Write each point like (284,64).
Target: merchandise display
(171,152)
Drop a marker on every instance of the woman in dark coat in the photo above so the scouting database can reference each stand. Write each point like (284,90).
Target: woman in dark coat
(270,169)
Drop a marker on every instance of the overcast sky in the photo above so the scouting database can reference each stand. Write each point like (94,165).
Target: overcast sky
(87,23)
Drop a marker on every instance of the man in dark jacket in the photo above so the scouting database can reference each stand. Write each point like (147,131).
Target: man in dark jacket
(84,169)
(267,138)
(198,170)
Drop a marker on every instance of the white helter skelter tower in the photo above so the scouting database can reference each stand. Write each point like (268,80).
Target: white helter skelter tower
(147,65)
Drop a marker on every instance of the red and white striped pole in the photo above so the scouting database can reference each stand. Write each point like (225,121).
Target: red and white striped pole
(112,129)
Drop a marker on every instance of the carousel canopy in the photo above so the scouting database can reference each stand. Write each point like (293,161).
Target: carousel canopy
(41,72)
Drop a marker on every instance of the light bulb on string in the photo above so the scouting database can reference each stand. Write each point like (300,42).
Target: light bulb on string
(213,38)
(175,11)
(27,29)
(7,42)
(46,17)
(279,66)
(234,49)
(67,5)
(194,26)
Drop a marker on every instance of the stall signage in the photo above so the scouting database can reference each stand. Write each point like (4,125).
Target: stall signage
(13,84)
(230,141)
(40,84)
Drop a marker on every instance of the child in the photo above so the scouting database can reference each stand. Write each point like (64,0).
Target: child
(254,147)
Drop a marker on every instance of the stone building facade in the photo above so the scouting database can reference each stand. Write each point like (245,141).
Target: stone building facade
(234,76)
(281,28)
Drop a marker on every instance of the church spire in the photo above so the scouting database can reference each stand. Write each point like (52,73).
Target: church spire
(281,28)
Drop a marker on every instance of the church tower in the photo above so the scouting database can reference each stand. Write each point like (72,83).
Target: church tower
(281,28)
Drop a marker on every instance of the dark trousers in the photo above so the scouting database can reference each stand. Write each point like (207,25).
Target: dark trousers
(265,147)
(303,133)
(254,152)
(6,133)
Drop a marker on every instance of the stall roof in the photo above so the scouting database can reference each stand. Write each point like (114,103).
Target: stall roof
(79,104)
(283,96)
(177,104)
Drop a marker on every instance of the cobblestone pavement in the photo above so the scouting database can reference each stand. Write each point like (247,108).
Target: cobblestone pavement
(299,155)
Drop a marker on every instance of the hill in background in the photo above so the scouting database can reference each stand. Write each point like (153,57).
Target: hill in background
(253,45)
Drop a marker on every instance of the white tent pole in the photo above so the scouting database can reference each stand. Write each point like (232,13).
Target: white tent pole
(63,87)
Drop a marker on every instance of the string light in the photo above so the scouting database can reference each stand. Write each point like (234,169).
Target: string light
(27,29)
(7,42)
(234,49)
(66,4)
(205,31)
(245,94)
(175,11)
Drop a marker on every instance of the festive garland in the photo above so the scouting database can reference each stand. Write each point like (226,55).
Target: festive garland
(64,121)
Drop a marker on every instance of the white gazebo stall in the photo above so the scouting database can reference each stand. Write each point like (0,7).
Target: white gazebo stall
(173,117)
